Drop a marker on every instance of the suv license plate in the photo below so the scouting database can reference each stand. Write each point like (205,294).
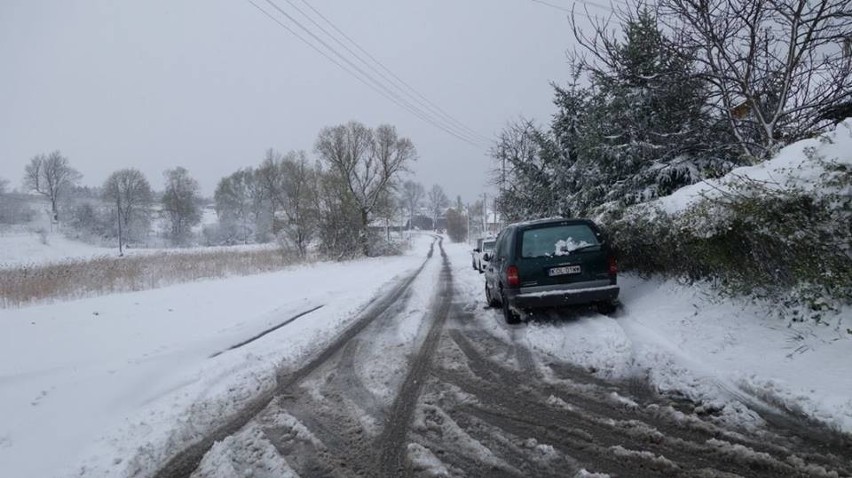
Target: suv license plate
(559,271)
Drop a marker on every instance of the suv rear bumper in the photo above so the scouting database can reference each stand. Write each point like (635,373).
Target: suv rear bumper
(562,297)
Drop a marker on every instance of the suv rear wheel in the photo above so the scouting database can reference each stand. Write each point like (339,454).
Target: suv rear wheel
(510,315)
(606,307)
(489,300)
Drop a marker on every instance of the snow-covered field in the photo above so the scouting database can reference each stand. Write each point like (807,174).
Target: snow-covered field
(687,341)
(104,380)
(22,247)
(92,386)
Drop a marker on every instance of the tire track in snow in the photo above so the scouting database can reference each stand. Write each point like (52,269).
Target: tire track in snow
(268,331)
(809,437)
(392,441)
(186,461)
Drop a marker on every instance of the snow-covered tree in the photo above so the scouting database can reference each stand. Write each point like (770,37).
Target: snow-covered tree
(367,163)
(648,127)
(51,176)
(130,194)
(290,183)
(456,224)
(235,206)
(779,71)
(412,196)
(438,202)
(180,205)
(525,176)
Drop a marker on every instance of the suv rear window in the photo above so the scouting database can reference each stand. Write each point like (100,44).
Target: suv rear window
(487,245)
(556,240)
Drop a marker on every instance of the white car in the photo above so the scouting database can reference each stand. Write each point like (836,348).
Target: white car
(483,245)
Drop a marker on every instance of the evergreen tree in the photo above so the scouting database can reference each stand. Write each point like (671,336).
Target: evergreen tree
(646,131)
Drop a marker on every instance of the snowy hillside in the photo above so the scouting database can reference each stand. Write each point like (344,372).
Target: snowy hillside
(800,165)
(23,247)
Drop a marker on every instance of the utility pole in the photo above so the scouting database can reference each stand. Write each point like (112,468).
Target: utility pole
(467,234)
(495,214)
(118,215)
(485,214)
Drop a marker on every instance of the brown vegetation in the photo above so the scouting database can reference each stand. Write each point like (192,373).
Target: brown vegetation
(26,285)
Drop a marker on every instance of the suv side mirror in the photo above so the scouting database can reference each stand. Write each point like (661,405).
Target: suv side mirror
(477,250)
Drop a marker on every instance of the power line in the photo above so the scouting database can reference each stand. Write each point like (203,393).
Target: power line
(398,99)
(402,102)
(593,3)
(571,11)
(457,125)
(422,100)
(362,76)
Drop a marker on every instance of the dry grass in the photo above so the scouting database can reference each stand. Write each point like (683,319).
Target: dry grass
(26,285)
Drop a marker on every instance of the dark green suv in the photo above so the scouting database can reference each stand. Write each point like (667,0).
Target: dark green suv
(551,263)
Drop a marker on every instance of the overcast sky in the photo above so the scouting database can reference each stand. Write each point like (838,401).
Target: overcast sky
(211,84)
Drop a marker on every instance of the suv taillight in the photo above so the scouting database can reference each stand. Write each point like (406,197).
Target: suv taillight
(613,266)
(512,277)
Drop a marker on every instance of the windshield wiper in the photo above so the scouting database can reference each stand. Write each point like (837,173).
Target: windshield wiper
(581,248)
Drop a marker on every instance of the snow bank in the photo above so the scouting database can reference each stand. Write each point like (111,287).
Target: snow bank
(247,453)
(796,165)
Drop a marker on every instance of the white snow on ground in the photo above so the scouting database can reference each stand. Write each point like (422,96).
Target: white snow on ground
(399,342)
(792,166)
(424,461)
(721,353)
(117,382)
(22,247)
(247,453)
(587,474)
(393,339)
(454,436)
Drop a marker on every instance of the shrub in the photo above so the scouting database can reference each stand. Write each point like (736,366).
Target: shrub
(789,245)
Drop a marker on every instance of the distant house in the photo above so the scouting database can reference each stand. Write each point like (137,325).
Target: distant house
(421,222)
(741,110)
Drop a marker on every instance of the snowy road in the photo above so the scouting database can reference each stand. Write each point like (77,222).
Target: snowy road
(427,382)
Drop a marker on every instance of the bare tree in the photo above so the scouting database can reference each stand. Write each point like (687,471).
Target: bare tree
(776,65)
(233,205)
(179,204)
(4,183)
(412,196)
(301,211)
(339,217)
(291,185)
(521,173)
(130,194)
(50,176)
(438,202)
(367,162)
(243,206)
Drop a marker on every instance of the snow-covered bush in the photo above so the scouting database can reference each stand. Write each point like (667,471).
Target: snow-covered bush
(15,209)
(91,222)
(788,238)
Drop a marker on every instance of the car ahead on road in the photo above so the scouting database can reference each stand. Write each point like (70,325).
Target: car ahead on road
(483,246)
(551,263)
